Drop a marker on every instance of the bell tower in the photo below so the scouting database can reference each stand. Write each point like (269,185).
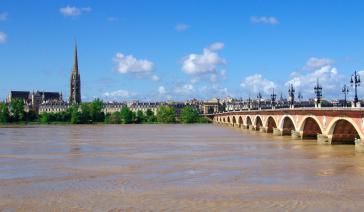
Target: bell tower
(75,82)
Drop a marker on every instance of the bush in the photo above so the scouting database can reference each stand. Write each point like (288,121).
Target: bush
(166,114)
(189,115)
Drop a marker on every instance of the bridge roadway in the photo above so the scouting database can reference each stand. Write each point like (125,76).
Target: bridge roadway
(327,125)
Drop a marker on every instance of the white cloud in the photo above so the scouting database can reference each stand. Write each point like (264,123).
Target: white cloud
(128,64)
(328,76)
(73,11)
(182,27)
(205,64)
(3,16)
(315,63)
(256,83)
(3,37)
(264,20)
(185,89)
(162,90)
(119,93)
(216,46)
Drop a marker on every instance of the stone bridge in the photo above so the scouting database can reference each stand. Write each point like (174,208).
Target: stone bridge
(328,126)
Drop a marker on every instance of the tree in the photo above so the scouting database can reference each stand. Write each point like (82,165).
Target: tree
(189,115)
(4,113)
(17,110)
(140,117)
(86,113)
(75,115)
(127,116)
(113,118)
(96,111)
(44,118)
(166,114)
(150,117)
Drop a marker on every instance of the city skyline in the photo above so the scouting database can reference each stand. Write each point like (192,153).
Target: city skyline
(133,50)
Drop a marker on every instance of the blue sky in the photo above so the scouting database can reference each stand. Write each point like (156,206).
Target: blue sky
(157,50)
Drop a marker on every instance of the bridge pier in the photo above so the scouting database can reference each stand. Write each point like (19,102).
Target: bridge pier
(359,145)
(296,135)
(323,139)
(263,129)
(277,132)
(251,127)
(245,126)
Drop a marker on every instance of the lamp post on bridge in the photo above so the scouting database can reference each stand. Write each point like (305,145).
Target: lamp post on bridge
(345,90)
(318,92)
(300,97)
(291,91)
(259,97)
(355,82)
(273,97)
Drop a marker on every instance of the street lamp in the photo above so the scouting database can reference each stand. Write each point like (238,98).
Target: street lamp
(345,90)
(291,91)
(355,81)
(318,92)
(273,97)
(259,97)
(300,97)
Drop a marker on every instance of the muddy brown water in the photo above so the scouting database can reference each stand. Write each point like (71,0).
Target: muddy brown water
(173,168)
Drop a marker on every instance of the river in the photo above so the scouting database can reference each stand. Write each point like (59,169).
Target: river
(173,168)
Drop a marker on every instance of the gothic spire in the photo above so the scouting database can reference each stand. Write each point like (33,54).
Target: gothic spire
(75,62)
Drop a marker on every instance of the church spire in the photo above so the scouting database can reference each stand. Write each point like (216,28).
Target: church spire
(75,61)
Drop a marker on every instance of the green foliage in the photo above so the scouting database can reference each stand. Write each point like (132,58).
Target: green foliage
(4,113)
(96,111)
(17,110)
(150,117)
(189,115)
(127,116)
(140,117)
(203,120)
(114,118)
(166,114)
(85,114)
(31,116)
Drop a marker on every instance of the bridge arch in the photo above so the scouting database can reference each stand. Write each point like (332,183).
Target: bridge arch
(270,124)
(224,120)
(343,130)
(248,121)
(234,120)
(258,123)
(310,126)
(228,120)
(240,121)
(287,124)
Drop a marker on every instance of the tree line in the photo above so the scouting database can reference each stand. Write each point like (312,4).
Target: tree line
(92,112)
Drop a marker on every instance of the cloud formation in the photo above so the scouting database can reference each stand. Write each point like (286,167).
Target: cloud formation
(71,11)
(182,27)
(315,63)
(264,20)
(119,93)
(3,16)
(128,64)
(162,90)
(256,83)
(3,37)
(318,69)
(205,64)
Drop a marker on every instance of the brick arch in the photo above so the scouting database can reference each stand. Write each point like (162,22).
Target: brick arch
(234,120)
(310,126)
(343,130)
(224,120)
(228,119)
(258,122)
(240,121)
(270,124)
(287,124)
(248,121)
